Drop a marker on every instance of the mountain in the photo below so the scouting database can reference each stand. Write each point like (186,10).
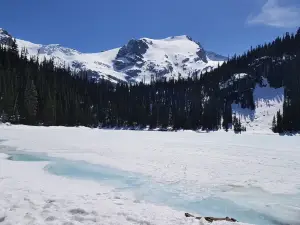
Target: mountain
(245,92)
(139,60)
(5,37)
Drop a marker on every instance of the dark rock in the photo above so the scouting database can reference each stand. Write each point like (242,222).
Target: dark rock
(148,41)
(185,60)
(184,67)
(2,219)
(186,36)
(96,76)
(78,211)
(189,38)
(216,57)
(120,64)
(4,32)
(5,38)
(128,61)
(140,64)
(158,71)
(151,67)
(77,65)
(133,73)
(134,47)
(50,218)
(131,54)
(170,67)
(201,55)
(212,219)
(102,64)
(188,215)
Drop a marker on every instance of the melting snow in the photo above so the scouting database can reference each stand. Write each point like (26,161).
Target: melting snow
(252,177)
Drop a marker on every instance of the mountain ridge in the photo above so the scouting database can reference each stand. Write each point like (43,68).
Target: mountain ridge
(139,60)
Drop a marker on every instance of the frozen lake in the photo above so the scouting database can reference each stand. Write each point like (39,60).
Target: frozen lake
(169,194)
(252,177)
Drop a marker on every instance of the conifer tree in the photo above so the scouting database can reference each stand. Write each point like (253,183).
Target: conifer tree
(34,92)
(30,100)
(279,122)
(274,125)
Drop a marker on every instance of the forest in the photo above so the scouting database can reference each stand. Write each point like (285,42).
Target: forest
(36,92)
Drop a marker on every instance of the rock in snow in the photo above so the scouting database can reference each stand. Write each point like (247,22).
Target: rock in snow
(2,216)
(211,219)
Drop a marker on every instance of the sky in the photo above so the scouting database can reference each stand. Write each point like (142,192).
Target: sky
(223,26)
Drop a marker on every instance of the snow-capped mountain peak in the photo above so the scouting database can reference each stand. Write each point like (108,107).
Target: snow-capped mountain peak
(138,60)
(3,32)
(180,37)
(5,37)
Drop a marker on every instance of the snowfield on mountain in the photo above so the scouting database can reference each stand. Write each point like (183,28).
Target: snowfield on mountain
(267,102)
(139,60)
(58,175)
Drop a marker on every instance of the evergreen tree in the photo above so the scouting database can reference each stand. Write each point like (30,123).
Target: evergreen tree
(30,100)
(274,125)
(279,122)
(34,92)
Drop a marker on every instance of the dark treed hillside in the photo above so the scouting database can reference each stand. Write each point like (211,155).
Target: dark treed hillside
(41,94)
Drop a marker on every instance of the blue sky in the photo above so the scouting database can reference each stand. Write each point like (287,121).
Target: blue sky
(224,26)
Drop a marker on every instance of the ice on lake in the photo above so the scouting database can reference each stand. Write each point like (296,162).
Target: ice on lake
(140,177)
(245,204)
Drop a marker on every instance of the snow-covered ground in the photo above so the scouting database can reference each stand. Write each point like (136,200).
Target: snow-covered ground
(267,103)
(60,175)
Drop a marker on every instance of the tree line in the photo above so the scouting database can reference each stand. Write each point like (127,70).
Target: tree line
(36,92)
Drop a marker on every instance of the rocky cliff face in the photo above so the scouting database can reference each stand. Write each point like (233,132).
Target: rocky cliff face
(5,37)
(131,54)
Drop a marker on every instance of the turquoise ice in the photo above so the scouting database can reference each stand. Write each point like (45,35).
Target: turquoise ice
(146,189)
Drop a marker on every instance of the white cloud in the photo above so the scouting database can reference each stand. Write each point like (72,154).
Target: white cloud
(277,15)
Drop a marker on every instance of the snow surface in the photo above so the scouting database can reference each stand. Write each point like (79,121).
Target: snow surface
(201,173)
(178,52)
(240,75)
(231,81)
(267,103)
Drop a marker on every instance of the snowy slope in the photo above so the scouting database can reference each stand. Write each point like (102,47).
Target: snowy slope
(176,56)
(138,60)
(268,101)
